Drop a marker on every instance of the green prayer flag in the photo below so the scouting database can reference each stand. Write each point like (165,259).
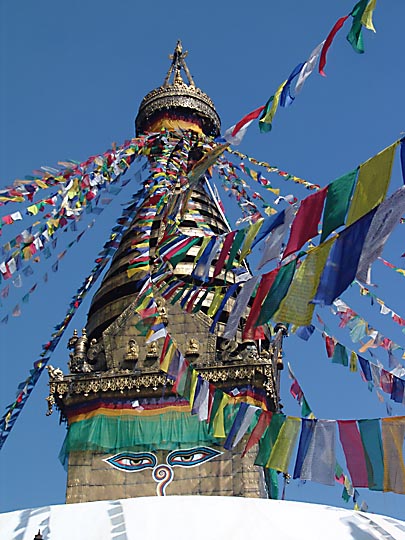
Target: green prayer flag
(337,202)
(271,478)
(305,408)
(187,383)
(340,355)
(237,242)
(268,439)
(355,36)
(277,292)
(215,406)
(345,495)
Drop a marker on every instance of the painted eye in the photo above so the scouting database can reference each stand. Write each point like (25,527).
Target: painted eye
(191,457)
(132,461)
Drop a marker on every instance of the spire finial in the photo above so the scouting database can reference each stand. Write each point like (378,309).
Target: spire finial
(178,62)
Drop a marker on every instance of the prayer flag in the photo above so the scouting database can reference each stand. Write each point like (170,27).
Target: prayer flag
(307,431)
(341,265)
(320,459)
(305,224)
(257,433)
(353,449)
(264,287)
(386,218)
(340,355)
(250,235)
(274,242)
(372,183)
(243,407)
(328,42)
(248,118)
(239,307)
(355,36)
(271,223)
(296,307)
(269,438)
(370,433)
(337,203)
(286,98)
(367,17)
(393,434)
(277,292)
(224,253)
(269,112)
(308,67)
(247,420)
(283,447)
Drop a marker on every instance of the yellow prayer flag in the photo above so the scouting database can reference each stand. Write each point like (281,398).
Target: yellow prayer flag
(33,209)
(216,301)
(205,241)
(218,423)
(164,366)
(250,235)
(353,362)
(393,433)
(367,17)
(282,450)
(268,118)
(193,385)
(133,271)
(372,184)
(295,306)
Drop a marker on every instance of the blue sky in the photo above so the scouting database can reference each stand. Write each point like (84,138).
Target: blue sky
(72,79)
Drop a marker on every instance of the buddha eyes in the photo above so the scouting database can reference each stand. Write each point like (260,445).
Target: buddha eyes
(133,461)
(138,461)
(191,457)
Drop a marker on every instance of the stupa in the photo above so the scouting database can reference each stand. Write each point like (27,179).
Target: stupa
(129,433)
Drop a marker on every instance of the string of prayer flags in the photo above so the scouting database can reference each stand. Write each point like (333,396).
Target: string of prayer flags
(305,224)
(341,265)
(372,183)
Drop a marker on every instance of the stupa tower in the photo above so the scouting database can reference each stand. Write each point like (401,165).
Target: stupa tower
(129,434)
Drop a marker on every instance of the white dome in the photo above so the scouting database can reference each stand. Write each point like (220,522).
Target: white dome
(197,518)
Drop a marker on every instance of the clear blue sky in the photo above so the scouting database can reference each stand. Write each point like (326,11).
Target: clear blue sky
(72,79)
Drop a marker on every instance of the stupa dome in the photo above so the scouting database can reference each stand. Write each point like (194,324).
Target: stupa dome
(177,103)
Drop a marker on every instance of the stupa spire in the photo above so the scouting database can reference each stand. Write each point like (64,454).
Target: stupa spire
(178,63)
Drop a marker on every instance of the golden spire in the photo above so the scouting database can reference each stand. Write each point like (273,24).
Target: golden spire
(178,62)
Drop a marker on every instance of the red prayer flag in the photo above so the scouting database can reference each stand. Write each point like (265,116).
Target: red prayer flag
(257,433)
(264,287)
(354,452)
(305,224)
(330,346)
(251,116)
(224,253)
(328,42)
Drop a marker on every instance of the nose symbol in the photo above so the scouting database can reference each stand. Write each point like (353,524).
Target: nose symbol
(163,475)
